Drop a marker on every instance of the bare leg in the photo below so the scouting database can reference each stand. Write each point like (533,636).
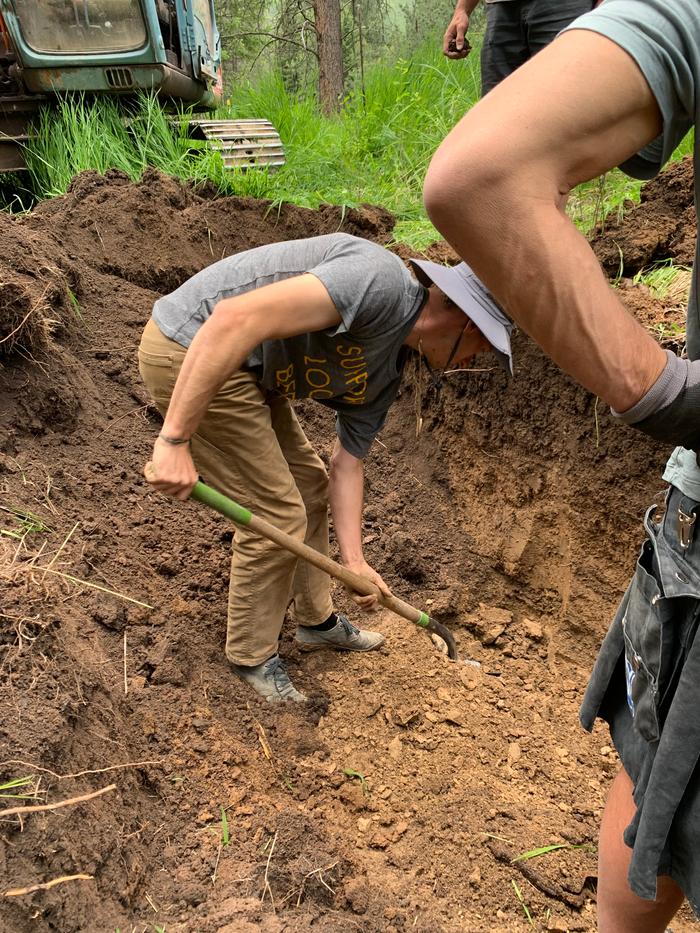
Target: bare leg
(619,909)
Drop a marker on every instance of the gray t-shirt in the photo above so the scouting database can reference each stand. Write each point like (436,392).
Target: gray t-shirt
(354,368)
(663,38)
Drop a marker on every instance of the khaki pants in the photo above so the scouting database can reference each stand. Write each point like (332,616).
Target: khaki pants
(251,447)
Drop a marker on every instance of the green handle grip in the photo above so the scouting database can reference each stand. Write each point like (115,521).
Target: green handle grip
(220,503)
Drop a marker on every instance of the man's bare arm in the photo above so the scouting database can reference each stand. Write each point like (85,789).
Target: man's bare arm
(294,306)
(455,32)
(346,496)
(495,190)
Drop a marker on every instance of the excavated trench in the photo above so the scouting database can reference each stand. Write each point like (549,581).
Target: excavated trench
(398,799)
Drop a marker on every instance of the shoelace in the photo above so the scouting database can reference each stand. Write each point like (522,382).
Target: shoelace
(281,678)
(350,630)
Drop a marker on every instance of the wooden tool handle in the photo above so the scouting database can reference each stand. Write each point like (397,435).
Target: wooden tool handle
(354,581)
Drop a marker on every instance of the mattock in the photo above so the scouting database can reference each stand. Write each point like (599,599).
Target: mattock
(354,581)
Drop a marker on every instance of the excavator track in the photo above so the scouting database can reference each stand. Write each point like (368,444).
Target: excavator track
(243,143)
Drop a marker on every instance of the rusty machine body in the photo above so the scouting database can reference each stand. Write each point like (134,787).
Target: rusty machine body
(52,48)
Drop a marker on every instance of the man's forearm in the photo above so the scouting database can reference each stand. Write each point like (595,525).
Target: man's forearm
(546,276)
(466,6)
(346,497)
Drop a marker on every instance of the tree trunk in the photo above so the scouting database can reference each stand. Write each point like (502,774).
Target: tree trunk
(330,55)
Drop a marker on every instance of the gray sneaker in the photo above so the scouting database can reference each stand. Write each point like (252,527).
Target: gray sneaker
(270,680)
(344,636)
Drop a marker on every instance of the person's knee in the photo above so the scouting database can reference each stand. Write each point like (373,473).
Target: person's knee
(316,490)
(296,520)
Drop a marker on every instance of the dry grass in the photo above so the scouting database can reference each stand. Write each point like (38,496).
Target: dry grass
(24,320)
(35,302)
(28,570)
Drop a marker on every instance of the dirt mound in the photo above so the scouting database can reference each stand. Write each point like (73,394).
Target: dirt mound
(159,232)
(399,798)
(661,227)
(37,285)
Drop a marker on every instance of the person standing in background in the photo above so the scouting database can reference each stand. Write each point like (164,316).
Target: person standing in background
(515,31)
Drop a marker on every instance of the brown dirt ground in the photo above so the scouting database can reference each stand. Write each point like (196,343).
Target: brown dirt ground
(513,517)
(661,228)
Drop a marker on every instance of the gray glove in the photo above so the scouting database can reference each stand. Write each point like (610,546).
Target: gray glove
(670,411)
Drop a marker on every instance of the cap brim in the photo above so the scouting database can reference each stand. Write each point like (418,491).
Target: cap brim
(462,287)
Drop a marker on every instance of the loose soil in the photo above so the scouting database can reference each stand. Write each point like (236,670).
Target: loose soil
(398,799)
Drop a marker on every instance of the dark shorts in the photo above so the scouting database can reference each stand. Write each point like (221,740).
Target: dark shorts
(646,685)
(517,29)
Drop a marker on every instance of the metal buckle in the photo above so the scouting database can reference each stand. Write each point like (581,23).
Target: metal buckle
(685,528)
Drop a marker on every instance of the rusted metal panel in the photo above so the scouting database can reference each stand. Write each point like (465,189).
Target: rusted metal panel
(92,79)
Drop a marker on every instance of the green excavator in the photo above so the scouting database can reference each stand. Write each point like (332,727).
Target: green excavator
(53,48)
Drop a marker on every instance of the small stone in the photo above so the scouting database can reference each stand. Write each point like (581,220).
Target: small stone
(395,748)
(493,632)
(474,878)
(533,629)
(454,717)
(379,841)
(514,753)
(470,677)
(491,623)
(363,824)
(439,643)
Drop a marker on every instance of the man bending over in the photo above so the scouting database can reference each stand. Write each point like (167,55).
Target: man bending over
(328,318)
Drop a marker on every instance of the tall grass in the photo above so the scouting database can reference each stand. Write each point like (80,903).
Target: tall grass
(82,133)
(377,150)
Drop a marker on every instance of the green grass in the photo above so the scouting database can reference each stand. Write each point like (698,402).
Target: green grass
(377,150)
(521,900)
(16,783)
(352,773)
(225,835)
(24,523)
(664,278)
(611,194)
(545,850)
